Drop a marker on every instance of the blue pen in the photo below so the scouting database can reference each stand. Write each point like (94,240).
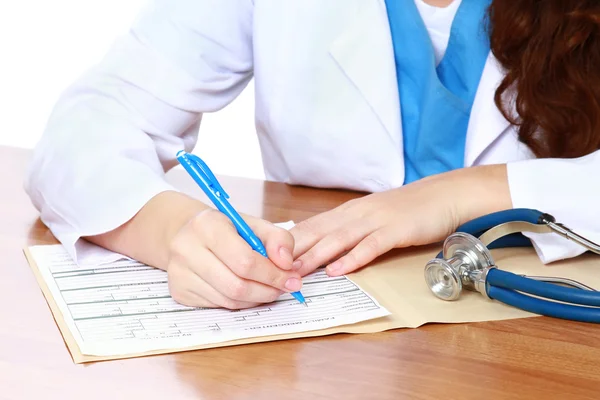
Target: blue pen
(209,184)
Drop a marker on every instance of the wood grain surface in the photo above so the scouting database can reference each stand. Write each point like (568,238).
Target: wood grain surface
(534,358)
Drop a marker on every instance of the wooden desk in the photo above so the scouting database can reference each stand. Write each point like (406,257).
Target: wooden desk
(536,358)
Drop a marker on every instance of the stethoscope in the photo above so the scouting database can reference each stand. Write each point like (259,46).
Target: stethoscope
(466,262)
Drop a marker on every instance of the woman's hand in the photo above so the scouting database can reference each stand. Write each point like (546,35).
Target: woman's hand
(420,213)
(212,266)
(208,263)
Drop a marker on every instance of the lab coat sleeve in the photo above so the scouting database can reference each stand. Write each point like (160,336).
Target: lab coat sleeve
(116,130)
(568,189)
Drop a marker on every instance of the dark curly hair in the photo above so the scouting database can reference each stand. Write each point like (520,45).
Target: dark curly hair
(550,50)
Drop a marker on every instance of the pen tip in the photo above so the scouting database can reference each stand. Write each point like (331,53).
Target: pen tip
(305,304)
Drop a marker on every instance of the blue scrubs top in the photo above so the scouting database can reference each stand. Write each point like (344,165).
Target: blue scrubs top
(436,101)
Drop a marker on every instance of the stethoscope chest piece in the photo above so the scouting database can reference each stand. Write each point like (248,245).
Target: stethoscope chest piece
(463,263)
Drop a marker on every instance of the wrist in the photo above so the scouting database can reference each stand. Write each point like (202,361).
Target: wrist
(159,222)
(175,210)
(147,236)
(481,190)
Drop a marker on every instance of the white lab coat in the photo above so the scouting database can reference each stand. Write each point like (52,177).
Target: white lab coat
(327,115)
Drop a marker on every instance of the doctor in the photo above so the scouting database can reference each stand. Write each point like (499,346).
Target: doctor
(442,110)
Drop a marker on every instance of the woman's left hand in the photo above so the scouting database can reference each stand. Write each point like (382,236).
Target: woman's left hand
(420,213)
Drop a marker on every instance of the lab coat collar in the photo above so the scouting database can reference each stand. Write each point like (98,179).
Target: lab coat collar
(365,54)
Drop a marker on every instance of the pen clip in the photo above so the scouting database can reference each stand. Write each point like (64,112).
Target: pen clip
(208,175)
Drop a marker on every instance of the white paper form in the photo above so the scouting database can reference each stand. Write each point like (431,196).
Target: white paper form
(124,307)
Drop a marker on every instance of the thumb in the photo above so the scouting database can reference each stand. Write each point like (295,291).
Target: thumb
(278,241)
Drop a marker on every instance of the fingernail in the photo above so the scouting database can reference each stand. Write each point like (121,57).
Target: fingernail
(297,264)
(335,267)
(293,284)
(286,255)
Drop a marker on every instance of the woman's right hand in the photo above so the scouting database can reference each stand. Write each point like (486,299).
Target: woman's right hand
(207,261)
(210,265)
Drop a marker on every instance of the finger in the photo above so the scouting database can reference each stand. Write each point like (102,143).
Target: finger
(365,251)
(189,289)
(279,242)
(332,245)
(231,286)
(180,289)
(191,299)
(195,268)
(225,243)
(186,297)
(217,298)
(308,232)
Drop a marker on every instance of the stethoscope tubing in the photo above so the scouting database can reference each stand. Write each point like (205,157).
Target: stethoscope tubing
(510,281)
(482,224)
(479,226)
(544,307)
